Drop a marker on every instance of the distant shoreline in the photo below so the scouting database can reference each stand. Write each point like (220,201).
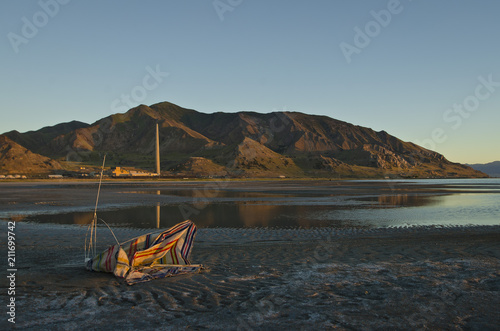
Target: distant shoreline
(235,179)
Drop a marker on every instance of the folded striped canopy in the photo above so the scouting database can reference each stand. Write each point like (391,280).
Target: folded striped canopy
(151,256)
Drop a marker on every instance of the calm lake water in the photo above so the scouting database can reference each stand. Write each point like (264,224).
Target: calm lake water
(297,204)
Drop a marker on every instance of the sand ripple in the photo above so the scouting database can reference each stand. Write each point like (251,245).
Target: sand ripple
(261,279)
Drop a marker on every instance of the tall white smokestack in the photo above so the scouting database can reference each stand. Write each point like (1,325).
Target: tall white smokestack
(157,150)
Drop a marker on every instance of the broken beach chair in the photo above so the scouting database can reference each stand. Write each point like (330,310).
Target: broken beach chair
(151,256)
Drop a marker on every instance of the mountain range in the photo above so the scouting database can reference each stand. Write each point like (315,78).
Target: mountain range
(242,144)
(491,169)
(14,158)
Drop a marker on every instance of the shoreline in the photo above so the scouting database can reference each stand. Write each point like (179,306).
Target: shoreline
(260,279)
(52,197)
(223,179)
(395,277)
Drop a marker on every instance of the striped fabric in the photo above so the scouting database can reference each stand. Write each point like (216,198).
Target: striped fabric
(146,274)
(151,256)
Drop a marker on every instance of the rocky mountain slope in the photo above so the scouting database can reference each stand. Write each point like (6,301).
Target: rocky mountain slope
(15,159)
(241,144)
(37,140)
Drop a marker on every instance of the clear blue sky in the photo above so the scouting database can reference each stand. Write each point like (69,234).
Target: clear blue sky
(263,56)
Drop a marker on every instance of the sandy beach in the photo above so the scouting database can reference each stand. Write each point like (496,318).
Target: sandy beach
(423,277)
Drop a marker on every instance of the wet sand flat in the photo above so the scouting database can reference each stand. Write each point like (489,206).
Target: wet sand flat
(422,277)
(398,278)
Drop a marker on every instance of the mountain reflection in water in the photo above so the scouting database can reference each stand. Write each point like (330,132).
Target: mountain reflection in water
(367,204)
